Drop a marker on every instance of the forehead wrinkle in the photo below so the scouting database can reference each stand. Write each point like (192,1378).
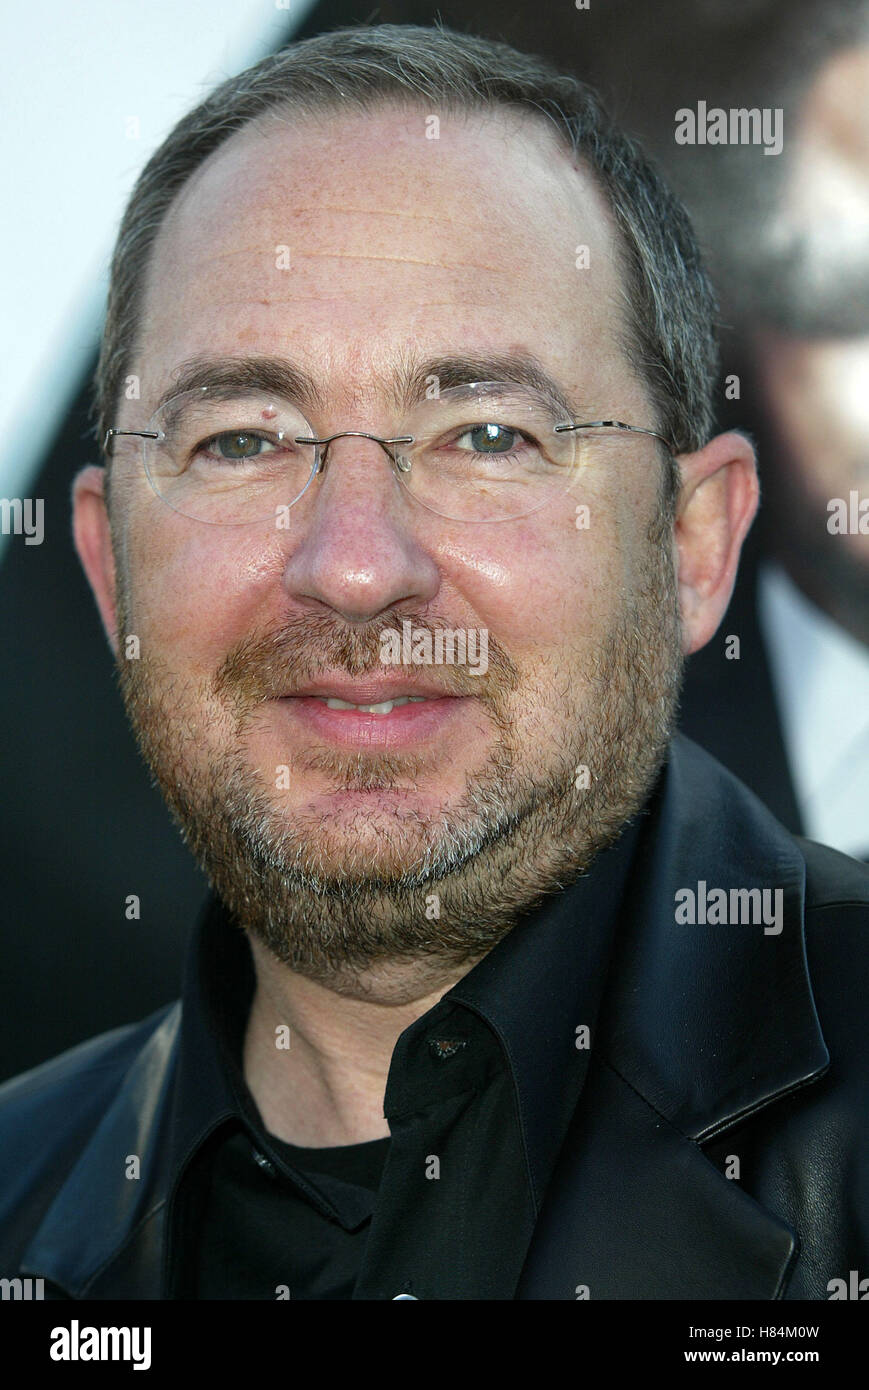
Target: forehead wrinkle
(212,258)
(440,218)
(273,301)
(401,260)
(298,210)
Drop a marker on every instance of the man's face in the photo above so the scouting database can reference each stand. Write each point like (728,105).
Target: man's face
(341,837)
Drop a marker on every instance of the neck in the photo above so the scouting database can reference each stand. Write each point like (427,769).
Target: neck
(327,1087)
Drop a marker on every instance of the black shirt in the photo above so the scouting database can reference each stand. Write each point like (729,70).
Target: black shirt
(261,1238)
(479,1095)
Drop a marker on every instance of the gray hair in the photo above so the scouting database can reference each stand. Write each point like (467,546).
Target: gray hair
(669,302)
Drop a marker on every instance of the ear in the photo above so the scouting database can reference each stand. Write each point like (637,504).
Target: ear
(93,542)
(717,504)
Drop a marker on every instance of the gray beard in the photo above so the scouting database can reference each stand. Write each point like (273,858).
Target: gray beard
(456,883)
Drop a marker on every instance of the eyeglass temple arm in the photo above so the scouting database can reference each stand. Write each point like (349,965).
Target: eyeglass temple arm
(139,434)
(615,425)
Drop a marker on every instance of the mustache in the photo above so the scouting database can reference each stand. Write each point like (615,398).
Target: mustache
(267,665)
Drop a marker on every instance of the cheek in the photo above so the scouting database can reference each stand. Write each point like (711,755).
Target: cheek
(545,587)
(195,593)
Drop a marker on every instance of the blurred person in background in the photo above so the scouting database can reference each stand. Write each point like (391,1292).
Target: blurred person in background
(797,279)
(786,236)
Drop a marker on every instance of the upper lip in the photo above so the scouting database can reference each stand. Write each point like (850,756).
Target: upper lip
(371,690)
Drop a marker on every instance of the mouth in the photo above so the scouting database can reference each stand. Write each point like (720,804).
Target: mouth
(382,707)
(373,712)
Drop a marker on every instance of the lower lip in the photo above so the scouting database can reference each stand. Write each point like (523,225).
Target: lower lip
(405,724)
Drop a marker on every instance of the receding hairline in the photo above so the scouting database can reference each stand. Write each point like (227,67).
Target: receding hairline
(335,109)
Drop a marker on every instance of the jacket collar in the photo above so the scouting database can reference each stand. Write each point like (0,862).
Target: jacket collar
(711,1021)
(104,1203)
(703,1024)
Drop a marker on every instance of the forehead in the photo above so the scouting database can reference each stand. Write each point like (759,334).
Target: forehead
(348,240)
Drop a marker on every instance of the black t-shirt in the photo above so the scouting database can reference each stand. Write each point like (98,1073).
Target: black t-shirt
(260,1239)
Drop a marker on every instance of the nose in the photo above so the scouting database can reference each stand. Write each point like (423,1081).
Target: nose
(360,542)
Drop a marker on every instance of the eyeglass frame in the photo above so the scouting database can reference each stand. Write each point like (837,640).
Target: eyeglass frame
(113,433)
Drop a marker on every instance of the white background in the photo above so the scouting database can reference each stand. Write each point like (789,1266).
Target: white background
(73,75)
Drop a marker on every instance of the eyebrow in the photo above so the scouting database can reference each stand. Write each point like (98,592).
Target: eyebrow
(407,387)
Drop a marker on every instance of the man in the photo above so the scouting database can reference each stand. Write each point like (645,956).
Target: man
(409,518)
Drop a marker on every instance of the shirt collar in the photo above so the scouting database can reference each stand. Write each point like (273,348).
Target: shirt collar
(212,1093)
(821,676)
(539,990)
(534,990)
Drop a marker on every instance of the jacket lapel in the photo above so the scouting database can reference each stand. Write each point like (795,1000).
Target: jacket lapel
(702,1026)
(636,1211)
(101,1213)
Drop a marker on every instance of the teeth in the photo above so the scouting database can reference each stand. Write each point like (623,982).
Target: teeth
(385,707)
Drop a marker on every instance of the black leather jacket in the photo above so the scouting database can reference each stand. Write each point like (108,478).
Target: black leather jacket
(715,1043)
